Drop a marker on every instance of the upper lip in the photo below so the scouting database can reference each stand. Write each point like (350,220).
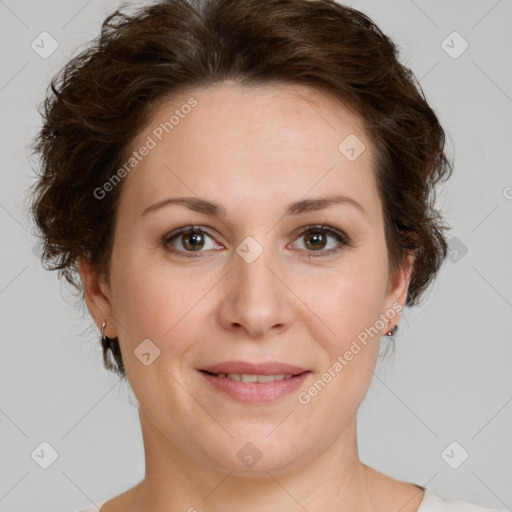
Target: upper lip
(266,368)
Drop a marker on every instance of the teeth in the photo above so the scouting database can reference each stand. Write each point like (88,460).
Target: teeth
(246,377)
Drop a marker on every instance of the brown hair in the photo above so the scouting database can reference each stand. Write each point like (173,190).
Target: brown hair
(102,97)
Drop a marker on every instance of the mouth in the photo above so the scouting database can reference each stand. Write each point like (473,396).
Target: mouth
(251,377)
(253,383)
(250,368)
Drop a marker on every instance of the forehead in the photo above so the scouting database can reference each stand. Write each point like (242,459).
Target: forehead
(262,141)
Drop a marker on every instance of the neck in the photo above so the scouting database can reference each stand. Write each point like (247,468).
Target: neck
(331,478)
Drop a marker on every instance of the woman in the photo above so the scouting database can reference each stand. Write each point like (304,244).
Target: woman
(243,190)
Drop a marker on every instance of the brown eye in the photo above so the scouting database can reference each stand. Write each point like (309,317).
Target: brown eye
(316,240)
(188,240)
(192,241)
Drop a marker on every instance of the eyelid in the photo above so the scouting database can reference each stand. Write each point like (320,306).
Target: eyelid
(342,239)
(326,228)
(180,231)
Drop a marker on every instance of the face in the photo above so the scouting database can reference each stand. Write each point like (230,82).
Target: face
(266,273)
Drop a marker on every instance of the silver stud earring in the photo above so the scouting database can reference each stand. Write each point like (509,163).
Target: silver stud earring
(392,331)
(105,340)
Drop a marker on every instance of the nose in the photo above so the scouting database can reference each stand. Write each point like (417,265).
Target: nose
(257,300)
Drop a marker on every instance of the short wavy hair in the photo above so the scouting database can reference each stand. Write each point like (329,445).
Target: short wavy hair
(99,101)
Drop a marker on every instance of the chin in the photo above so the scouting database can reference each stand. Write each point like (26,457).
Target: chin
(255,453)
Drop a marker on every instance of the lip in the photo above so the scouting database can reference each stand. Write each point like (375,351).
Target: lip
(265,368)
(256,392)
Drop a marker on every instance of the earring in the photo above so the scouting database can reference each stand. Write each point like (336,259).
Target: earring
(105,341)
(392,331)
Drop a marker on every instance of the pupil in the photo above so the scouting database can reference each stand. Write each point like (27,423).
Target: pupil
(317,239)
(197,237)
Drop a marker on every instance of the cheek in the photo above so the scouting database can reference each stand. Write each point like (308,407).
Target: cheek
(158,303)
(345,322)
(349,299)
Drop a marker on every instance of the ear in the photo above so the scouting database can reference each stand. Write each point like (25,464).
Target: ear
(398,286)
(98,298)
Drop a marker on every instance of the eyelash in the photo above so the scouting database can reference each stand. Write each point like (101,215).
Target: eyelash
(342,239)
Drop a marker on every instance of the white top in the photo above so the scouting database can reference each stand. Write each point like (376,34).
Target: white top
(431,503)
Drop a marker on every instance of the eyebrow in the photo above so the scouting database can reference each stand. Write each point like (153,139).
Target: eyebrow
(216,210)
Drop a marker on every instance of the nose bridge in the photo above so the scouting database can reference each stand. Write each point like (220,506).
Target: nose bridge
(252,273)
(255,297)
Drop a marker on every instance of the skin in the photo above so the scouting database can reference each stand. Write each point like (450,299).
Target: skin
(252,150)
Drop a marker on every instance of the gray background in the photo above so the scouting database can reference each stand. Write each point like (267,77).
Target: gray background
(449,378)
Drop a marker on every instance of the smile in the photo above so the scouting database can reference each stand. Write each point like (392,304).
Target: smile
(248,377)
(255,388)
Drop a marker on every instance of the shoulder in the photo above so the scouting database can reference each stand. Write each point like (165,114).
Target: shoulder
(432,502)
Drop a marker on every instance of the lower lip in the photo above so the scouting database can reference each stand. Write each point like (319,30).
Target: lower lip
(256,392)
